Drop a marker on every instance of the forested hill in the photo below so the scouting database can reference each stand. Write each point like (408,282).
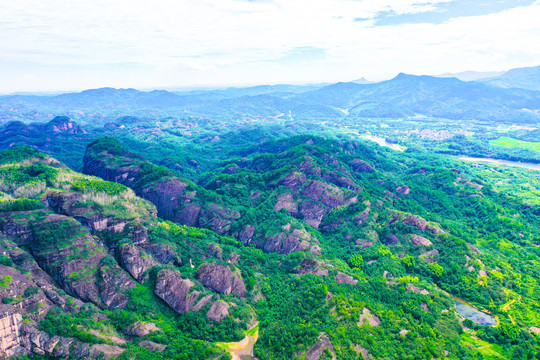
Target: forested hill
(321,248)
(405,96)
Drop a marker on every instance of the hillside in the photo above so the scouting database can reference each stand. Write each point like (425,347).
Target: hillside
(335,248)
(523,78)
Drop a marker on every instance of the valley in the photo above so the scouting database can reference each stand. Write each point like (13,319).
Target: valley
(282,222)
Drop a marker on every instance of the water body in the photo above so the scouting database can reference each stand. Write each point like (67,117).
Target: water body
(501,162)
(381,141)
(473,314)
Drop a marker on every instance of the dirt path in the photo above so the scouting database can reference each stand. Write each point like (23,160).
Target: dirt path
(245,346)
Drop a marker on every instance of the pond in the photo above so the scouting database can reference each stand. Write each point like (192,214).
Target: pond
(476,316)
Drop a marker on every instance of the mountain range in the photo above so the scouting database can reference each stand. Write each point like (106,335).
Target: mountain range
(510,97)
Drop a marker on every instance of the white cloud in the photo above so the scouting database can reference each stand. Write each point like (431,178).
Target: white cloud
(231,40)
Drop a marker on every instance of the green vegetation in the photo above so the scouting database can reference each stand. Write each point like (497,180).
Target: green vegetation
(514,143)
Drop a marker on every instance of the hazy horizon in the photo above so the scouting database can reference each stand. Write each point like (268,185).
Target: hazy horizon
(61,46)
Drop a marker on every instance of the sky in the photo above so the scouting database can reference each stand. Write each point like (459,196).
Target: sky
(70,45)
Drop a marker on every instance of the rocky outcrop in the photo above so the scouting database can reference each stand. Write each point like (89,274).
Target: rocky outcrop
(342,278)
(421,224)
(152,346)
(368,318)
(325,193)
(287,241)
(135,261)
(112,285)
(218,311)
(10,324)
(311,266)
(416,290)
(313,213)
(141,329)
(403,190)
(323,343)
(361,166)
(163,253)
(70,255)
(391,239)
(175,291)
(420,240)
(430,256)
(288,203)
(294,181)
(220,278)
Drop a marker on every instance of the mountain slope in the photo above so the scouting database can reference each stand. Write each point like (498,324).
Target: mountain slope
(410,95)
(523,78)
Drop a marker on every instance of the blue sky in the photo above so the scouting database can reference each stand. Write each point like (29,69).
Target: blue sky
(61,45)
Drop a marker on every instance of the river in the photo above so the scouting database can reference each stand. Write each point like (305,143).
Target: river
(381,141)
(501,162)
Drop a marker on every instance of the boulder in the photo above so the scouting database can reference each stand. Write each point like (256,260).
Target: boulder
(218,311)
(141,329)
(152,346)
(342,278)
(135,261)
(420,240)
(220,278)
(175,291)
(403,190)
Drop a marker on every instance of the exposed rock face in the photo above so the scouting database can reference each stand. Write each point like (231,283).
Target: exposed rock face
(113,281)
(9,334)
(365,354)
(364,215)
(361,166)
(311,266)
(324,193)
(421,224)
(215,251)
(135,261)
(70,255)
(368,318)
(152,346)
(163,253)
(198,306)
(534,330)
(286,242)
(220,278)
(218,311)
(363,243)
(416,290)
(246,235)
(342,278)
(141,329)
(287,202)
(391,239)
(174,290)
(430,256)
(420,240)
(404,332)
(323,343)
(313,213)
(403,190)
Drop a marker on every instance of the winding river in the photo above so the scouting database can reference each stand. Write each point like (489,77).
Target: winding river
(501,162)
